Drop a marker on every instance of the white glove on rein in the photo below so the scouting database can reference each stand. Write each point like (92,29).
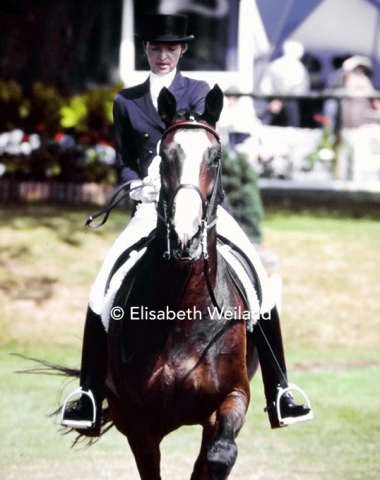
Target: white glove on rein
(148,189)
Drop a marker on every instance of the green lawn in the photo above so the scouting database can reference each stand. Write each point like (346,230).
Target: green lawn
(331,316)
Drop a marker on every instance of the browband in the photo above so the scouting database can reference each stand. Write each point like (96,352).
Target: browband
(192,124)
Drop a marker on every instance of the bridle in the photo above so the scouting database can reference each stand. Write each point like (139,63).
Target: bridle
(191,123)
(208,219)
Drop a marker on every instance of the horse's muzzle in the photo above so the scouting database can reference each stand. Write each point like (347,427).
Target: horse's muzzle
(190,251)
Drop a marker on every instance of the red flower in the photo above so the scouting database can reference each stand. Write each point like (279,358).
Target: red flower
(321,119)
(58,136)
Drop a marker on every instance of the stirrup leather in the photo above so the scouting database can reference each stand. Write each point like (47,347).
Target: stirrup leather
(284,421)
(82,424)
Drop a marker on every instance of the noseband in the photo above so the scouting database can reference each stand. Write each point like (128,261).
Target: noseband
(207,205)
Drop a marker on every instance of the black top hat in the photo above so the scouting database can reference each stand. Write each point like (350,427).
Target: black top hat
(164,28)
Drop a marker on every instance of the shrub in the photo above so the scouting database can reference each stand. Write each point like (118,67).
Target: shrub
(14,107)
(84,155)
(242,193)
(44,111)
(90,114)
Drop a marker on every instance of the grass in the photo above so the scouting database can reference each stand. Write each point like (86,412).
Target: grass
(331,330)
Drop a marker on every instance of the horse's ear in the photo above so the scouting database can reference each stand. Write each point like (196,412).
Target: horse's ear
(213,105)
(167,106)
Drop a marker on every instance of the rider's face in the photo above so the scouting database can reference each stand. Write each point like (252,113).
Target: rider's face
(163,57)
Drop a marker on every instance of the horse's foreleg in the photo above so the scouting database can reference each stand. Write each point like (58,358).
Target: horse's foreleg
(146,450)
(200,471)
(222,449)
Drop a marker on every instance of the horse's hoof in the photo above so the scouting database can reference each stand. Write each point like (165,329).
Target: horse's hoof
(221,457)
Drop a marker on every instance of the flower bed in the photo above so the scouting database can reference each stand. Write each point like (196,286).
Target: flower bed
(63,159)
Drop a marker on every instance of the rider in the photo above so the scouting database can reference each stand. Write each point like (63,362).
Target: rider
(137,131)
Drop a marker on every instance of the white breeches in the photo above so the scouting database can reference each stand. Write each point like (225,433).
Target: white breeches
(145,220)
(140,225)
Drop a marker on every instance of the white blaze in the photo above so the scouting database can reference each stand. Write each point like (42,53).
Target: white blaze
(188,203)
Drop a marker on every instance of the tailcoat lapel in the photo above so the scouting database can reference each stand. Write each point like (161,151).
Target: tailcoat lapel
(144,102)
(178,86)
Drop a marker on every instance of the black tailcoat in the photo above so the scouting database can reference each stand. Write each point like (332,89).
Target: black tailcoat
(138,127)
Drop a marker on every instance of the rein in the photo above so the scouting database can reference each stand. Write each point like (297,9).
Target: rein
(114,201)
(206,222)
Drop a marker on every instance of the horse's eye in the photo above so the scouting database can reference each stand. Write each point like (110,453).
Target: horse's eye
(216,160)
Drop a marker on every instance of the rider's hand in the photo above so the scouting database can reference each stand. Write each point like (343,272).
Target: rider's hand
(147,190)
(153,177)
(142,191)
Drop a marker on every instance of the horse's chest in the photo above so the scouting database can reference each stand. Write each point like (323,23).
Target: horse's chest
(174,385)
(195,366)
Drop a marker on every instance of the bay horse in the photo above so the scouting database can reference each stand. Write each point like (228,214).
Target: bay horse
(175,357)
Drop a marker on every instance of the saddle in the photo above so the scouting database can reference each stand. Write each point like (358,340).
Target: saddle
(126,264)
(245,278)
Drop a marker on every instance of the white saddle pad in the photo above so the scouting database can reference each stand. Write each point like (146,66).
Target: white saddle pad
(251,316)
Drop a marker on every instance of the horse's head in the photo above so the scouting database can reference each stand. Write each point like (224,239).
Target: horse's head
(190,174)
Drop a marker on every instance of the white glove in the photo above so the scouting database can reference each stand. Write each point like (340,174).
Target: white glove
(147,190)
(154,173)
(141,192)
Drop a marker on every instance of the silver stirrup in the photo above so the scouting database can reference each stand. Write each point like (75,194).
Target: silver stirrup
(81,424)
(292,420)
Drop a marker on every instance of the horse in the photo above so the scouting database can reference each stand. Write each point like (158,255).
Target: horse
(180,353)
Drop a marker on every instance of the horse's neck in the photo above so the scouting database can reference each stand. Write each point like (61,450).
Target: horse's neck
(186,282)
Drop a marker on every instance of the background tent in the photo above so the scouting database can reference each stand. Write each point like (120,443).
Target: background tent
(326,28)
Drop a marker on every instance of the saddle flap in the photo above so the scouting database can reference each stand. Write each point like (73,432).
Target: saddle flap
(246,282)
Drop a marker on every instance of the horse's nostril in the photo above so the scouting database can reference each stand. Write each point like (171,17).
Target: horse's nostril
(185,248)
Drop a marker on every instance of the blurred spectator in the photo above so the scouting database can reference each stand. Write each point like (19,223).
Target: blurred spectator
(285,76)
(355,79)
(335,78)
(358,80)
(239,129)
(314,66)
(310,108)
(238,125)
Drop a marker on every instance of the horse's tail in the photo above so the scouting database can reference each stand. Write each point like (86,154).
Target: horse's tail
(48,368)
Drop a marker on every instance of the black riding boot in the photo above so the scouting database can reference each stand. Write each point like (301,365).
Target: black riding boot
(273,368)
(85,414)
